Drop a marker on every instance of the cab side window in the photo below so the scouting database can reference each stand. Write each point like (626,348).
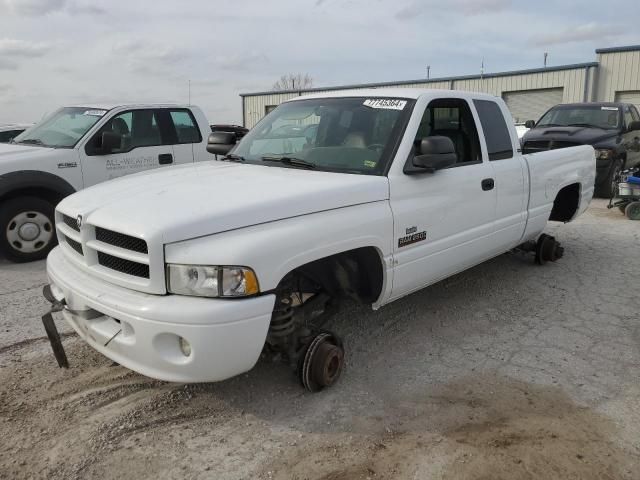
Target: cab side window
(628,118)
(185,127)
(495,130)
(452,118)
(137,128)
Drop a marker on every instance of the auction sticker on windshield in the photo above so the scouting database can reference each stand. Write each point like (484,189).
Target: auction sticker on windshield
(95,113)
(609,108)
(386,103)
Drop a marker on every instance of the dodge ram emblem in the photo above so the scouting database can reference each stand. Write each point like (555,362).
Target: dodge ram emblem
(79,221)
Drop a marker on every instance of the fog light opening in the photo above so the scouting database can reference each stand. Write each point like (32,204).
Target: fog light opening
(185,346)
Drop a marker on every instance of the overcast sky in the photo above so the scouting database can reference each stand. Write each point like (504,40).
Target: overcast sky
(57,52)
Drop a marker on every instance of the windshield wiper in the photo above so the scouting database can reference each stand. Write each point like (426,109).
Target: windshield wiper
(291,161)
(31,141)
(232,157)
(588,125)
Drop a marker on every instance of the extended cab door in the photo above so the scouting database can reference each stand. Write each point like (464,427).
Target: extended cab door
(147,138)
(443,221)
(509,171)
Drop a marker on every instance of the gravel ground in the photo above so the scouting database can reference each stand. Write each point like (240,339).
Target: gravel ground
(505,371)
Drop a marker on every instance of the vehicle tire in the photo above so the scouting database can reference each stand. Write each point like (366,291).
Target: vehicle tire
(633,211)
(27,229)
(609,187)
(623,207)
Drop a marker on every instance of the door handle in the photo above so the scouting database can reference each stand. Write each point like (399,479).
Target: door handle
(165,158)
(488,184)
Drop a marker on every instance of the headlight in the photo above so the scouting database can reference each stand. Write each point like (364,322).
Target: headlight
(208,281)
(604,154)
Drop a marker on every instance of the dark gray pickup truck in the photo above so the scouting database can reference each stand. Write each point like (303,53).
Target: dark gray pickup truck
(613,129)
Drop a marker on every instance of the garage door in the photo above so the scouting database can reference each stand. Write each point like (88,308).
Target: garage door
(629,97)
(531,104)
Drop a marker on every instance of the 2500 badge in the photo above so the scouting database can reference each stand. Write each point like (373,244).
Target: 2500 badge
(411,237)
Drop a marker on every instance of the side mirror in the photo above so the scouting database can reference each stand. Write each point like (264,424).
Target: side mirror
(530,123)
(435,153)
(110,141)
(219,143)
(633,126)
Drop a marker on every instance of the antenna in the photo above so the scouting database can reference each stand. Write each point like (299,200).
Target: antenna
(428,71)
(545,58)
(189,102)
(482,68)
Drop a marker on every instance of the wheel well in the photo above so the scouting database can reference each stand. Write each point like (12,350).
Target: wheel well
(566,203)
(355,273)
(48,194)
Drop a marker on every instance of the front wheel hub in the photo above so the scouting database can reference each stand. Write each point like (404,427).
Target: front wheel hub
(29,232)
(322,362)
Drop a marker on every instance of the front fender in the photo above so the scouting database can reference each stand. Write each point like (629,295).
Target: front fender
(24,179)
(276,248)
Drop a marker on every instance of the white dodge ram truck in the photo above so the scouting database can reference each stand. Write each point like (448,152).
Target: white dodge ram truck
(76,147)
(189,273)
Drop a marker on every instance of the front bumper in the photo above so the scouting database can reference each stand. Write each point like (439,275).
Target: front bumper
(226,336)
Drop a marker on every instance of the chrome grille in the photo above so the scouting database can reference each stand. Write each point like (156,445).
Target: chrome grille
(121,240)
(70,222)
(124,266)
(73,244)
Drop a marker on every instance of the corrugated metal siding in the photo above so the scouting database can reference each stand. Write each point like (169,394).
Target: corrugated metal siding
(618,72)
(571,80)
(531,104)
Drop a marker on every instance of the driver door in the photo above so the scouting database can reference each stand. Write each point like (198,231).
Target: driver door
(443,221)
(144,145)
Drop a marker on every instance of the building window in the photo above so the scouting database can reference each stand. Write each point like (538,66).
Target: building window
(269,108)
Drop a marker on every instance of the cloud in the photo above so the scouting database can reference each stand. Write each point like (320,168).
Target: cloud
(34,8)
(6,64)
(466,7)
(39,8)
(239,62)
(74,8)
(10,47)
(581,33)
(147,57)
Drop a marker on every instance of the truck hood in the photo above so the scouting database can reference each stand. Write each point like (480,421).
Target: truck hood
(12,151)
(183,202)
(577,135)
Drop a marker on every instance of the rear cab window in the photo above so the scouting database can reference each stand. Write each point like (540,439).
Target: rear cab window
(496,132)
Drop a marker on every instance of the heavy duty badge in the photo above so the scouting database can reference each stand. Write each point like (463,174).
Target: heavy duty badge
(412,236)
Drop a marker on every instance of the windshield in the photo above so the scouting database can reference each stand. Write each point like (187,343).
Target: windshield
(350,134)
(607,118)
(63,128)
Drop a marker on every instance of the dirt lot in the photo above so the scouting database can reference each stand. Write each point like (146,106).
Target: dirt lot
(506,371)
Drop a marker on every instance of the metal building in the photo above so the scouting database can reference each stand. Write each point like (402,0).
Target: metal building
(615,76)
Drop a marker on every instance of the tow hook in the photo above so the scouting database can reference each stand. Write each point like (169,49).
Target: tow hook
(50,326)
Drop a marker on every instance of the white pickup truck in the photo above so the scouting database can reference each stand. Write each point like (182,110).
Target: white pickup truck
(76,147)
(189,273)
